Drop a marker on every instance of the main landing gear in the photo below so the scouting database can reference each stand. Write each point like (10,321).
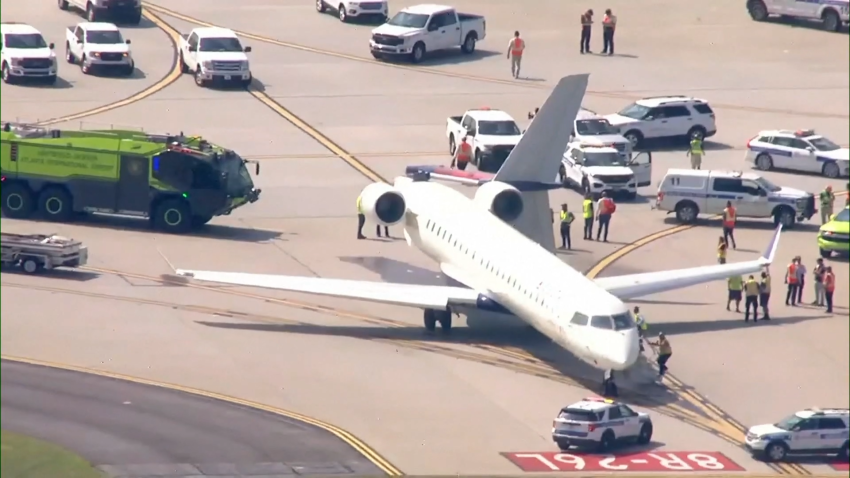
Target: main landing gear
(444,317)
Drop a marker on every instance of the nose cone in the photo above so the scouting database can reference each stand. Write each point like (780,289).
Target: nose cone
(625,350)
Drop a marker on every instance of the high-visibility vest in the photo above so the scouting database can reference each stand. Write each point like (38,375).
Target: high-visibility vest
(517,46)
(587,208)
(829,281)
(359,204)
(826,198)
(607,206)
(765,285)
(752,287)
(609,21)
(641,323)
(729,216)
(736,283)
(696,146)
(464,152)
(567,217)
(721,251)
(792,273)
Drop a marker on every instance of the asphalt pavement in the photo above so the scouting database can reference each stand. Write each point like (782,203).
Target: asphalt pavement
(132,430)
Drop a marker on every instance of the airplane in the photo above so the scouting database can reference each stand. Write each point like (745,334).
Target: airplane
(498,247)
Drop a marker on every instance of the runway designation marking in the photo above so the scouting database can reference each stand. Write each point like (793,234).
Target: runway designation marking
(840,466)
(667,461)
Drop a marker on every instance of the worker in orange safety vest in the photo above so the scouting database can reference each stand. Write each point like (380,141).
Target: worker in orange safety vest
(609,23)
(515,49)
(730,216)
(792,280)
(463,154)
(829,287)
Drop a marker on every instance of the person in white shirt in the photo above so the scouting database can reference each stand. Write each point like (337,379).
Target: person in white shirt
(801,279)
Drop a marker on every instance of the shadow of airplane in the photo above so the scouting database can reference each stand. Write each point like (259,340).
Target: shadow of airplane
(666,302)
(700,326)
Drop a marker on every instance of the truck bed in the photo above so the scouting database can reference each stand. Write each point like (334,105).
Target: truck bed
(456,119)
(465,17)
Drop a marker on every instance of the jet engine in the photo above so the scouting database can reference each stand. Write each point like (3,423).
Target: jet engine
(383,204)
(503,200)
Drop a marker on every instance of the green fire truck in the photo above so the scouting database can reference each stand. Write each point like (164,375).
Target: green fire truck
(177,182)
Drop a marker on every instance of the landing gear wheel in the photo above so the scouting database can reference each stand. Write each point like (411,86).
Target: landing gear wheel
(172,215)
(55,204)
(430,320)
(31,266)
(17,201)
(445,320)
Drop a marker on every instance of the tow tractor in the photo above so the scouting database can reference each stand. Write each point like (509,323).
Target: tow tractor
(34,253)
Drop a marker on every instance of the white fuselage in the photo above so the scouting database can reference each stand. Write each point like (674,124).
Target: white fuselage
(478,249)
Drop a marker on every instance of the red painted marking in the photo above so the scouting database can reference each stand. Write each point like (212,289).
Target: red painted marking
(840,466)
(462,174)
(676,461)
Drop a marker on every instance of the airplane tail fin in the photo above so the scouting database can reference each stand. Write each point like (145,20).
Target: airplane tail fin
(533,164)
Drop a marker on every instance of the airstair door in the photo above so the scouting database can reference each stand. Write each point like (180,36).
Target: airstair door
(134,193)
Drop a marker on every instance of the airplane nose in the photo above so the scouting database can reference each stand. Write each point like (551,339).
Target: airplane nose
(625,354)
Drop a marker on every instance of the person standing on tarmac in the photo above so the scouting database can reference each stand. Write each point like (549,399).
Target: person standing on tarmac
(820,269)
(827,202)
(586,24)
(604,210)
(801,279)
(609,23)
(730,217)
(695,152)
(751,291)
(361,218)
(640,322)
(587,213)
(828,287)
(791,281)
(764,294)
(722,248)
(735,285)
(567,219)
(516,47)
(665,351)
(463,154)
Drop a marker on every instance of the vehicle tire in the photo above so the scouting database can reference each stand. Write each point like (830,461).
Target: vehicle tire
(199,79)
(69,57)
(91,13)
(645,435)
(418,53)
(31,266)
(343,17)
(55,204)
(6,74)
(476,158)
(134,18)
(764,162)
(825,254)
(184,68)
(130,69)
(563,445)
(200,221)
(320,6)
(758,10)
(697,132)
(687,212)
(631,196)
(173,215)
(831,21)
(430,319)
(606,442)
(63,4)
(86,69)
(775,451)
(17,201)
(635,138)
(452,144)
(831,170)
(786,216)
(844,453)
(469,42)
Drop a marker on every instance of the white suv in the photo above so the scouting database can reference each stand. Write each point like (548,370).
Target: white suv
(798,151)
(665,117)
(600,423)
(809,432)
(833,13)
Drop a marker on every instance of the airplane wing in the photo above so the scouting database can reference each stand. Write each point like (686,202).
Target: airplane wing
(421,296)
(639,285)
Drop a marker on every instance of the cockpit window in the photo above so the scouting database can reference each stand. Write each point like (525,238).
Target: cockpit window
(579,319)
(602,322)
(623,321)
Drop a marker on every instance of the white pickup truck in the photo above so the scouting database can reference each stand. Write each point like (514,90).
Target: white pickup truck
(25,54)
(126,11)
(98,46)
(214,54)
(831,13)
(493,134)
(417,30)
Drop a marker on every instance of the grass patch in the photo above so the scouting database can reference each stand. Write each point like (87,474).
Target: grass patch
(25,457)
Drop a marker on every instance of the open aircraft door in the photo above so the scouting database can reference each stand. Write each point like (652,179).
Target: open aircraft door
(641,164)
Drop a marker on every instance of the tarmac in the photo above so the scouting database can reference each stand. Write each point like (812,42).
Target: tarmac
(432,406)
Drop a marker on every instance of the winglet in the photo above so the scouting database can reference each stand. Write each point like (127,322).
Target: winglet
(770,252)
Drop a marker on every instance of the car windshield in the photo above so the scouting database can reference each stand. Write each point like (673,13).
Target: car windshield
(498,128)
(767,185)
(107,37)
(409,20)
(239,182)
(594,127)
(25,41)
(843,216)
(623,321)
(604,159)
(789,422)
(822,144)
(634,111)
(220,44)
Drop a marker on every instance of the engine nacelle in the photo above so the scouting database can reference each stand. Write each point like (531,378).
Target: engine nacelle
(383,204)
(503,200)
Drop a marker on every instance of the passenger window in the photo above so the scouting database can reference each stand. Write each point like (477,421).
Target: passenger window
(831,423)
(627,412)
(579,319)
(654,114)
(602,322)
(728,185)
(751,188)
(614,413)
(675,112)
(204,176)
(799,144)
(703,109)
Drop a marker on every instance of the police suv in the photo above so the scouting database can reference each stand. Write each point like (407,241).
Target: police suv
(600,423)
(809,432)
(665,117)
(801,150)
(599,167)
(690,193)
(833,13)
(589,126)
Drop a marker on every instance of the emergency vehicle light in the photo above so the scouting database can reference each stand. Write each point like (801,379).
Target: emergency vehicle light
(598,399)
(156,163)
(804,132)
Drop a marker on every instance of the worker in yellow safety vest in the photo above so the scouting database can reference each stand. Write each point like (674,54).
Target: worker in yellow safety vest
(722,248)
(642,326)
(735,284)
(567,219)
(696,153)
(827,202)
(764,294)
(516,47)
(751,290)
(587,213)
